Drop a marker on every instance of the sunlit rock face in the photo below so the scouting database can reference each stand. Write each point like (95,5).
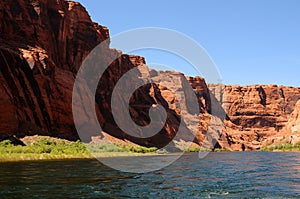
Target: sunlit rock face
(42,46)
(293,126)
(256,115)
(43,43)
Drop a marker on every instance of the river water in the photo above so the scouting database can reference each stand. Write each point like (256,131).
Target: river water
(219,175)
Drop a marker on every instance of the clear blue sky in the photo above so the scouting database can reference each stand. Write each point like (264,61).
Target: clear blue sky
(251,41)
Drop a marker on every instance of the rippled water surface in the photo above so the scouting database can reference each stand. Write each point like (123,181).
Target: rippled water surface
(219,175)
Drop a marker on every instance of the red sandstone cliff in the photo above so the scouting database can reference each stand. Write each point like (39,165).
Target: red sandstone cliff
(42,46)
(293,126)
(43,43)
(256,115)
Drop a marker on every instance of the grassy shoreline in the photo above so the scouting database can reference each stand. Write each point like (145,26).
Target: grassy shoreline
(47,149)
(16,157)
(284,147)
(42,157)
(53,149)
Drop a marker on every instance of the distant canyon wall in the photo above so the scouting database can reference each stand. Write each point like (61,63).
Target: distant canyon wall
(257,115)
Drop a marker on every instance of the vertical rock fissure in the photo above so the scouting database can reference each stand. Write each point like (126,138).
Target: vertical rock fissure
(37,93)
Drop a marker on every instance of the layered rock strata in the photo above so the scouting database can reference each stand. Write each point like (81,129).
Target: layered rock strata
(43,43)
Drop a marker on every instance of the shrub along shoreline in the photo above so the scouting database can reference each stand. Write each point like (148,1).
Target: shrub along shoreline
(284,147)
(47,149)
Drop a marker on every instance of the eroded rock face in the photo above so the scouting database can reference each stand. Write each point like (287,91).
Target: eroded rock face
(293,124)
(62,29)
(43,44)
(260,106)
(257,115)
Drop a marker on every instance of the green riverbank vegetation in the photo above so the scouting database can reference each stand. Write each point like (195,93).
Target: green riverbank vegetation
(45,148)
(285,147)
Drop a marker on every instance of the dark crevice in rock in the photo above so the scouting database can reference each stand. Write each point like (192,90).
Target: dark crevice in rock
(263,96)
(37,93)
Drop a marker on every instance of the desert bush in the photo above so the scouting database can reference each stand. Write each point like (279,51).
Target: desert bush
(46,146)
(282,147)
(195,149)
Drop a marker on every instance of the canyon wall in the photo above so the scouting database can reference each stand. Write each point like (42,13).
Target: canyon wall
(257,115)
(43,43)
(292,127)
